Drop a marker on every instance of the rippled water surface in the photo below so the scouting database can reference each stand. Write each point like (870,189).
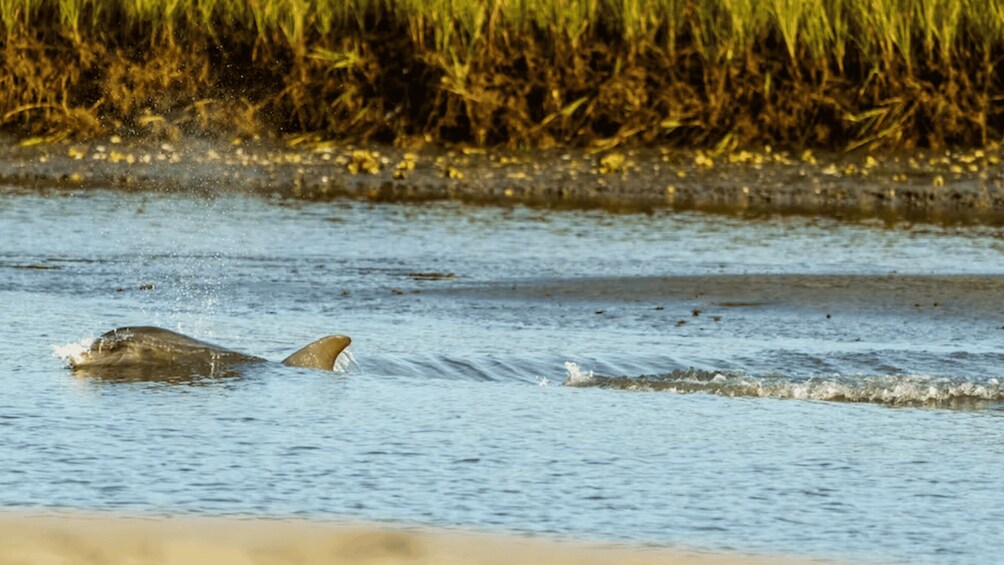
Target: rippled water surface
(785,385)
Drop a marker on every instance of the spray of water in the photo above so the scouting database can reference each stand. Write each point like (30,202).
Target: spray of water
(71,353)
(574,376)
(345,361)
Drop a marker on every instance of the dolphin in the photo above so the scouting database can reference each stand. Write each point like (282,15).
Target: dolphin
(155,353)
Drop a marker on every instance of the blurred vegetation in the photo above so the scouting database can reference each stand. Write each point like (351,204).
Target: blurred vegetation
(832,73)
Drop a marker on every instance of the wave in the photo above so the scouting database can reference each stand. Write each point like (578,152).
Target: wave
(907,390)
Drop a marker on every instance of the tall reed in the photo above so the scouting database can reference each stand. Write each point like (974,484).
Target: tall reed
(724,51)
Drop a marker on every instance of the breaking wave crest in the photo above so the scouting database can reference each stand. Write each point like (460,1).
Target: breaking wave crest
(911,390)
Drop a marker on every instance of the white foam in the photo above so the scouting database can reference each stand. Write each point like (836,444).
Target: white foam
(344,361)
(913,389)
(897,390)
(574,375)
(71,353)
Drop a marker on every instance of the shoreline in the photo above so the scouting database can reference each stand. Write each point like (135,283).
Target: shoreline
(952,187)
(110,539)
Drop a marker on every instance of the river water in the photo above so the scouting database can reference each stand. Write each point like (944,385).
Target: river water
(782,385)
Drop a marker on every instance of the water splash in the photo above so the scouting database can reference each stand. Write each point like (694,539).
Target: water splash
(345,361)
(894,390)
(575,377)
(73,352)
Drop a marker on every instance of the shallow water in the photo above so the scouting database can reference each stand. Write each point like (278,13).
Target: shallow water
(787,385)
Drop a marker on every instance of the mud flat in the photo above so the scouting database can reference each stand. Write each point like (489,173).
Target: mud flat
(111,540)
(942,186)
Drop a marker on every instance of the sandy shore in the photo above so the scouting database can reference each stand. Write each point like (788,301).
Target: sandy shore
(939,186)
(77,539)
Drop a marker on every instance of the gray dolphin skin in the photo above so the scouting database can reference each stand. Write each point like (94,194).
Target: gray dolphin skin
(155,353)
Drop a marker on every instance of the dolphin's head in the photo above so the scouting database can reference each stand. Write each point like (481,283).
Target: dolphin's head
(149,353)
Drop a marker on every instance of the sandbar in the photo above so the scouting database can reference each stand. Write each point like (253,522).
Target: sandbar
(109,540)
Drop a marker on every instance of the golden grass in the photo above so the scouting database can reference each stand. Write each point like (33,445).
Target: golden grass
(831,72)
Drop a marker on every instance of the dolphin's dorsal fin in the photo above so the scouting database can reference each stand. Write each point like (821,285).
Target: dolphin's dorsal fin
(319,355)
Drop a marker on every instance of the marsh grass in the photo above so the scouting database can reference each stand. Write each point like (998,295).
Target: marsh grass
(844,73)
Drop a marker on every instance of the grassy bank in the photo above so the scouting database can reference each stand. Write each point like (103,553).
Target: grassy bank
(834,73)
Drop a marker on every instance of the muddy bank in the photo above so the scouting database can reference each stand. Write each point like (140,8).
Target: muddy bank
(935,186)
(917,296)
(110,540)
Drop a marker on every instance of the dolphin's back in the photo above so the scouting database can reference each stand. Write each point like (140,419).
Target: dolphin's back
(147,351)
